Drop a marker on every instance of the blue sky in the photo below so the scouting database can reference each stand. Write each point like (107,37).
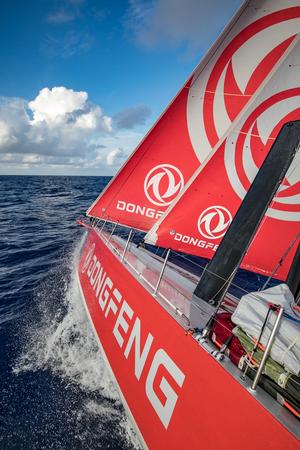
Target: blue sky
(82,81)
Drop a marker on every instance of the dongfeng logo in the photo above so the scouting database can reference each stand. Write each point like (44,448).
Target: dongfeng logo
(88,258)
(251,142)
(265,38)
(214,221)
(162,184)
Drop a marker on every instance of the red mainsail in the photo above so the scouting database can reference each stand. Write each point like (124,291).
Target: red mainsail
(202,114)
(201,215)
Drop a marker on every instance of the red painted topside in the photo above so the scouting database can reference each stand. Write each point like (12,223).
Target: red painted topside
(177,393)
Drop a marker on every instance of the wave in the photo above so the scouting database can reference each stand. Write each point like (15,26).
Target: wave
(59,338)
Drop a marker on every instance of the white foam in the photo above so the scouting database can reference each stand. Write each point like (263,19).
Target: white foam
(61,339)
(103,410)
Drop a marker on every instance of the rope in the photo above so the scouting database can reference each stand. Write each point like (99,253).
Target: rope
(292,344)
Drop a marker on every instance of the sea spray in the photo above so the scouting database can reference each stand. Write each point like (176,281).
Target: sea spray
(59,338)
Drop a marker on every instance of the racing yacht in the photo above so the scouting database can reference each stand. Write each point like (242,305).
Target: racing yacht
(190,266)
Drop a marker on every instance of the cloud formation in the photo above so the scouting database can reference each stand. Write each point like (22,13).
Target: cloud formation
(71,10)
(68,11)
(69,44)
(130,117)
(60,128)
(54,106)
(61,16)
(113,156)
(174,23)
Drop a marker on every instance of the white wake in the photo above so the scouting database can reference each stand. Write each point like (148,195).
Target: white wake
(60,339)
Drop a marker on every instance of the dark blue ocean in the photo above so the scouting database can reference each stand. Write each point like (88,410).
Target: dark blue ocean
(55,392)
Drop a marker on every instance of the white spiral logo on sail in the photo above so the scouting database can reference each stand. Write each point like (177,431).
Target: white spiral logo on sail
(222,89)
(162,184)
(214,221)
(248,146)
(88,258)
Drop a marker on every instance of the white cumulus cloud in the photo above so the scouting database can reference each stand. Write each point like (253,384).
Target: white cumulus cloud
(6,137)
(113,156)
(54,105)
(60,131)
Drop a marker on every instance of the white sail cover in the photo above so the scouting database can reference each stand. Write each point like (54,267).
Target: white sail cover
(250,315)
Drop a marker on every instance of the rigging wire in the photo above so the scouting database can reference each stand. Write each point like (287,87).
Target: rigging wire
(280,262)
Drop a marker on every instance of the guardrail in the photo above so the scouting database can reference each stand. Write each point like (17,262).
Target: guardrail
(110,231)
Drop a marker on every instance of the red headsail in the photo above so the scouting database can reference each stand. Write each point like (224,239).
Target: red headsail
(202,114)
(201,215)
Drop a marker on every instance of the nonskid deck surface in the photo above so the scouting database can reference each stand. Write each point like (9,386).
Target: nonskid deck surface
(175,294)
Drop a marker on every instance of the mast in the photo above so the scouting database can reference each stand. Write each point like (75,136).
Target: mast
(221,269)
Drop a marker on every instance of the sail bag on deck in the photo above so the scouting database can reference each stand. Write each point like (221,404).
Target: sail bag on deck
(250,315)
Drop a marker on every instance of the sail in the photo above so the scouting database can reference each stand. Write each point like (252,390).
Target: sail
(200,217)
(202,114)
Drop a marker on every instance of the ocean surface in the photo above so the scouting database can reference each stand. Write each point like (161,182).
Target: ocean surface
(55,392)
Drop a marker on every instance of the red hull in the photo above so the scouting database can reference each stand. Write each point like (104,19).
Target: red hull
(177,394)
